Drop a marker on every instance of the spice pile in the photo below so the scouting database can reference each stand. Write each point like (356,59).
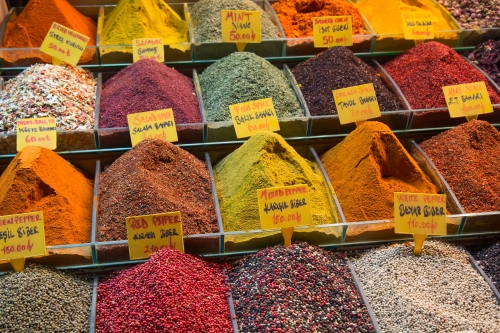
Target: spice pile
(487,258)
(171,292)
(474,14)
(338,68)
(433,66)
(468,157)
(38,179)
(372,156)
(242,77)
(65,92)
(438,291)
(299,286)
(265,160)
(41,299)
(29,29)
(296,16)
(147,85)
(487,57)
(155,177)
(207,23)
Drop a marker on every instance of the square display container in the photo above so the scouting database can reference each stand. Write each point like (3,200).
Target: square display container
(478,268)
(66,140)
(117,251)
(122,54)
(330,124)
(29,56)
(474,37)
(224,130)
(269,48)
(304,46)
(119,137)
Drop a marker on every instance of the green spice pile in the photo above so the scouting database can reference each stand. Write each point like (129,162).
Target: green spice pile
(65,92)
(206,17)
(242,77)
(41,299)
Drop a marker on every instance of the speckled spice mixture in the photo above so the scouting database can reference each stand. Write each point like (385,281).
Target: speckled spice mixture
(155,177)
(488,258)
(436,292)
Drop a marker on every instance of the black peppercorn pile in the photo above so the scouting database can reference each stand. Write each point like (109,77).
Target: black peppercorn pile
(338,68)
(489,260)
(300,288)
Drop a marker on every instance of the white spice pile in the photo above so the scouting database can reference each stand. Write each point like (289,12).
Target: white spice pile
(436,292)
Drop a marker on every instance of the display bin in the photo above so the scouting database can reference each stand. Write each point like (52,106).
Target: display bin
(66,140)
(117,251)
(330,124)
(304,46)
(119,137)
(268,48)
(224,130)
(25,57)
(122,54)
(475,37)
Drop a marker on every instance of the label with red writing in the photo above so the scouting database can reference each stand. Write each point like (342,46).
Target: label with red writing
(148,48)
(284,207)
(253,117)
(22,236)
(332,31)
(158,124)
(64,44)
(418,24)
(469,99)
(241,26)
(419,213)
(40,132)
(356,103)
(150,233)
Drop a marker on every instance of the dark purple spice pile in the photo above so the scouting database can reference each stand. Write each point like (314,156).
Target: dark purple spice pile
(171,292)
(338,68)
(147,85)
(155,177)
(487,57)
(488,259)
(300,288)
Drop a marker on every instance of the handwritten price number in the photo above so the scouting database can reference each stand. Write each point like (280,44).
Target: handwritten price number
(138,223)
(154,248)
(18,248)
(329,39)
(156,57)
(60,50)
(30,139)
(235,36)
(423,225)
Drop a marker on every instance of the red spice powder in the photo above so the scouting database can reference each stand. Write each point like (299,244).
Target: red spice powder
(422,71)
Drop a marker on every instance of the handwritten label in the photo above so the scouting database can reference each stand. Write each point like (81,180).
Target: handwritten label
(418,25)
(148,48)
(419,213)
(332,31)
(241,26)
(467,99)
(254,117)
(40,132)
(148,234)
(64,44)
(22,236)
(284,207)
(159,124)
(356,103)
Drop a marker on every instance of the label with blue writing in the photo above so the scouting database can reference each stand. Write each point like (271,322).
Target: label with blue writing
(158,124)
(469,99)
(41,132)
(64,44)
(22,236)
(356,103)
(253,117)
(419,213)
(148,48)
(241,26)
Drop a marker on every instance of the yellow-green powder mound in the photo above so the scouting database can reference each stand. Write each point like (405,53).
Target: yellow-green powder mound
(265,160)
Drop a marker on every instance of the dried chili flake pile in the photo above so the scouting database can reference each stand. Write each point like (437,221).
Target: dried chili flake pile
(65,92)
(172,292)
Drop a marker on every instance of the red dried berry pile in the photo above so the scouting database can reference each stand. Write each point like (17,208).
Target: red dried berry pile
(422,71)
(300,288)
(171,292)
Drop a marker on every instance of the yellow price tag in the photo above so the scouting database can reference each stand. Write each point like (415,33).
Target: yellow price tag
(418,24)
(158,124)
(284,207)
(40,132)
(467,100)
(148,234)
(356,103)
(254,117)
(241,27)
(22,235)
(148,48)
(419,213)
(332,31)
(64,44)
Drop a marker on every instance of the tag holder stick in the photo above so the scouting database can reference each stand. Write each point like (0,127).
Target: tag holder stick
(56,61)
(418,239)
(473,117)
(360,122)
(18,264)
(241,46)
(287,235)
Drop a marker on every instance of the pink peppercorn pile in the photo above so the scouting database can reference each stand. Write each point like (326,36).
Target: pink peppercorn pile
(171,292)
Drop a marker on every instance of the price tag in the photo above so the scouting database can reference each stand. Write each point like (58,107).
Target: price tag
(148,234)
(22,236)
(40,132)
(418,25)
(467,100)
(254,117)
(332,31)
(159,124)
(64,44)
(419,213)
(148,48)
(284,207)
(356,103)
(241,27)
